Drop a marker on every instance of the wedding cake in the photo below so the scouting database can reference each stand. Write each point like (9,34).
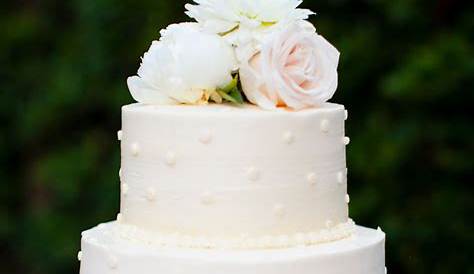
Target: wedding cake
(233,161)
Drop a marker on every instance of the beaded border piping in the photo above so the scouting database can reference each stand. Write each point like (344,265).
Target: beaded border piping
(136,235)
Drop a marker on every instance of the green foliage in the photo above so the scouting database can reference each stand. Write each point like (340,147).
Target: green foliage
(232,92)
(406,76)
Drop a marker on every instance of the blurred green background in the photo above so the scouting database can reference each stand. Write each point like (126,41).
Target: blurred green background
(406,75)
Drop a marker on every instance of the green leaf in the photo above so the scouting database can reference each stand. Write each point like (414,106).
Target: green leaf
(226,96)
(229,97)
(231,85)
(231,92)
(237,95)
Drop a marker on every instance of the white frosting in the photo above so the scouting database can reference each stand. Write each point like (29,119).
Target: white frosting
(222,171)
(135,234)
(220,189)
(104,251)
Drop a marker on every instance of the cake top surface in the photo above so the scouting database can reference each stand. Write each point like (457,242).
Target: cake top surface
(222,109)
(259,52)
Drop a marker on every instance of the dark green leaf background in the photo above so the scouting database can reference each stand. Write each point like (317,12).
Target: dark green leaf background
(406,75)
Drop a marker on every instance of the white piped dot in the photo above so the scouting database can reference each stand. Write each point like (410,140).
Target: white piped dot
(79,256)
(119,135)
(151,194)
(206,136)
(253,174)
(346,140)
(125,189)
(112,262)
(119,217)
(120,173)
(346,114)
(312,179)
(340,178)
(135,149)
(288,137)
(207,198)
(348,198)
(170,159)
(279,210)
(385,270)
(329,224)
(325,125)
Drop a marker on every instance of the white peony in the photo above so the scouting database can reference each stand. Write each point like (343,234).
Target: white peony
(295,68)
(244,23)
(185,66)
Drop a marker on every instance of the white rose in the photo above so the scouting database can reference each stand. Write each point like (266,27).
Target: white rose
(296,68)
(185,66)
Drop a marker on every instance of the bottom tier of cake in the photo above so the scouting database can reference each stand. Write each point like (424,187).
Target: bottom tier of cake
(103,252)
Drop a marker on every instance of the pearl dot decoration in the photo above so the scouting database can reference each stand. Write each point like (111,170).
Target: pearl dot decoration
(325,126)
(340,178)
(135,149)
(170,159)
(119,135)
(120,173)
(346,140)
(205,137)
(151,194)
(79,256)
(347,198)
(253,174)
(279,210)
(125,189)
(119,218)
(112,262)
(312,179)
(207,198)
(288,137)
(346,115)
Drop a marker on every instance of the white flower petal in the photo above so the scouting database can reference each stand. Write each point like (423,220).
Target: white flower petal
(141,92)
(183,66)
(296,67)
(249,20)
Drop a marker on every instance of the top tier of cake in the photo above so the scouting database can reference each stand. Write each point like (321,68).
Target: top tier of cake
(224,172)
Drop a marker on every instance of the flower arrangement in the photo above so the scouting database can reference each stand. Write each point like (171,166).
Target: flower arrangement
(263,51)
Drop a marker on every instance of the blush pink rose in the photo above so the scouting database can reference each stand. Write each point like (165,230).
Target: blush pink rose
(295,68)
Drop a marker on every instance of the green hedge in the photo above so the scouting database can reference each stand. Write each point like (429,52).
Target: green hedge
(406,75)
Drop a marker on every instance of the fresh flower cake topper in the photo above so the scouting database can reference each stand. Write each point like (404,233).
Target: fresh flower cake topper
(246,23)
(185,66)
(264,48)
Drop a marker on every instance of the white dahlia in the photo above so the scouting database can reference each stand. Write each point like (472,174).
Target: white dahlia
(244,22)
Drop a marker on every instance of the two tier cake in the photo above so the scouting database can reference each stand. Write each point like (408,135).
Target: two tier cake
(233,161)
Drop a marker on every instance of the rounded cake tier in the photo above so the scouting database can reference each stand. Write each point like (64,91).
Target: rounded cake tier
(231,172)
(106,252)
